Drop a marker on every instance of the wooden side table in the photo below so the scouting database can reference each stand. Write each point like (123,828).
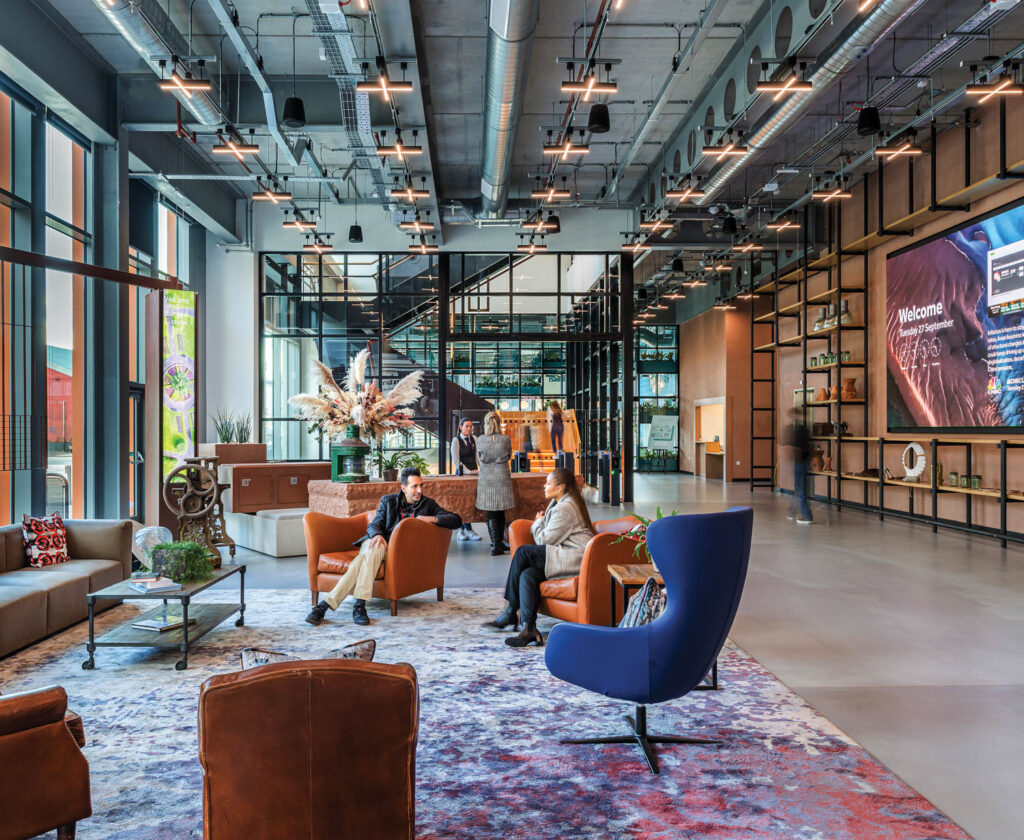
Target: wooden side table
(633,576)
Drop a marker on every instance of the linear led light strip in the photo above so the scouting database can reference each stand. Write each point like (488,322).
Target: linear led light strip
(781,226)
(267,194)
(685,194)
(635,247)
(655,225)
(416,225)
(750,246)
(780,89)
(592,85)
(567,148)
(409,194)
(532,247)
(551,194)
(239,150)
(720,153)
(907,148)
(182,85)
(1004,87)
(384,86)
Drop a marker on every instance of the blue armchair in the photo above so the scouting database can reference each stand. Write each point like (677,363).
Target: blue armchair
(703,560)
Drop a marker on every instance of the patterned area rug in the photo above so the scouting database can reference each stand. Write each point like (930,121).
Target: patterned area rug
(489,763)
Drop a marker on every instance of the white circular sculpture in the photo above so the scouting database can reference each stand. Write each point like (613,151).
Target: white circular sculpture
(914,472)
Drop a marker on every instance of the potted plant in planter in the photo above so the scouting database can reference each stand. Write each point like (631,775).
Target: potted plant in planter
(414,459)
(389,464)
(182,562)
(233,446)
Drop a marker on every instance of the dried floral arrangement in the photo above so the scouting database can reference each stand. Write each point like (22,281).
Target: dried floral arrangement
(360,403)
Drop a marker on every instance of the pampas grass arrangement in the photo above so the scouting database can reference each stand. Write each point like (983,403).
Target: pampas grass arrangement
(360,403)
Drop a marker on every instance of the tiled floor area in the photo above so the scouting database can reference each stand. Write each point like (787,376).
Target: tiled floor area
(909,641)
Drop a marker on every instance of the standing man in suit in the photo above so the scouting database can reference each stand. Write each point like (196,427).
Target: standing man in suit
(373,550)
(464,455)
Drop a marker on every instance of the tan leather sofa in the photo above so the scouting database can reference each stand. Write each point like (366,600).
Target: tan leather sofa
(310,751)
(37,602)
(42,769)
(417,554)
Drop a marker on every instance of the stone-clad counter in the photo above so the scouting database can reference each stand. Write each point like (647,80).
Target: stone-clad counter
(456,493)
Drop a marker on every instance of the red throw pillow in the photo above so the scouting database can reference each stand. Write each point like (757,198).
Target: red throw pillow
(46,541)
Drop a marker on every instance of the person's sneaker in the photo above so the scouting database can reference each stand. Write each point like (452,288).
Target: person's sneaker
(473,535)
(359,615)
(802,521)
(462,536)
(316,615)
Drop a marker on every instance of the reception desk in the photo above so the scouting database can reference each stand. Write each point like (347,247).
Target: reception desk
(710,460)
(456,493)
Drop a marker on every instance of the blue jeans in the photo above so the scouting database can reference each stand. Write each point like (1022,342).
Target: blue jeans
(800,490)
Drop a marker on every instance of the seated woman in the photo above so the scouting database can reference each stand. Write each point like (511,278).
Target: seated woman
(561,534)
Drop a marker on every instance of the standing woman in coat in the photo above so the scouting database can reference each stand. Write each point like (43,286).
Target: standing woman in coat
(560,534)
(494,485)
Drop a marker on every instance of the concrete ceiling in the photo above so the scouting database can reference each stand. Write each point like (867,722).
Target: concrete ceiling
(448,38)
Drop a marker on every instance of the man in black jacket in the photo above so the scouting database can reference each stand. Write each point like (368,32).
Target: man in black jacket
(358,579)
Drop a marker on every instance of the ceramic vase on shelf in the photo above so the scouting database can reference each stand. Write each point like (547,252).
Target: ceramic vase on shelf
(822,395)
(849,391)
(830,320)
(834,393)
(844,312)
(817,463)
(820,322)
(827,463)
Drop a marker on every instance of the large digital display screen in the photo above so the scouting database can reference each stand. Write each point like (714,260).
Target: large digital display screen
(955,328)
(178,375)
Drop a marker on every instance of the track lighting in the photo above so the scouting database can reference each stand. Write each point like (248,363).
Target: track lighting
(831,194)
(297,223)
(685,193)
(549,194)
(905,149)
(423,247)
(531,247)
(635,247)
(589,84)
(655,225)
(750,246)
(780,225)
(416,225)
(183,84)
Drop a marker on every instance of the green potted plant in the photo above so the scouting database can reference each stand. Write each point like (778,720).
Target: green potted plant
(182,562)
(233,446)
(414,459)
(389,464)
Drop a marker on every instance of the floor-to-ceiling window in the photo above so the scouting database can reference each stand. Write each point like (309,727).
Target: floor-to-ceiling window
(67,236)
(657,398)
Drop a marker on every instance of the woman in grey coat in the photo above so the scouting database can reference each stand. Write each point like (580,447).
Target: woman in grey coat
(494,485)
(560,534)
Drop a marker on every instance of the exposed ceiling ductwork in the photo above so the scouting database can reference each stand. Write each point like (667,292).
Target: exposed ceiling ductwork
(145,25)
(509,44)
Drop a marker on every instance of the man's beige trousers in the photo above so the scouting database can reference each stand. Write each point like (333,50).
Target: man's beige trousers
(358,580)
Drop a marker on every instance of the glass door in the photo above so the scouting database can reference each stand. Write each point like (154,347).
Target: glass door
(136,446)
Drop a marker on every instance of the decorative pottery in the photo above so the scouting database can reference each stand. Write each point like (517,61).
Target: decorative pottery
(817,463)
(834,392)
(849,391)
(348,458)
(914,461)
(827,463)
(844,312)
(830,320)
(822,395)
(820,323)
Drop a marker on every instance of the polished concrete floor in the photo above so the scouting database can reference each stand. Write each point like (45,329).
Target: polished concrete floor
(907,640)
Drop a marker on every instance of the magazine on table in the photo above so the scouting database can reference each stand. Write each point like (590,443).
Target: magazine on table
(169,618)
(159,583)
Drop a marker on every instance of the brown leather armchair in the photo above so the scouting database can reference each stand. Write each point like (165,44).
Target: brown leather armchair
(586,598)
(41,765)
(417,554)
(310,750)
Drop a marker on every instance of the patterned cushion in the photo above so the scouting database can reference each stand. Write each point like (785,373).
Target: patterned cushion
(254,657)
(46,541)
(645,606)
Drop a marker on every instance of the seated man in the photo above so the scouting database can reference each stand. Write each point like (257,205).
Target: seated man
(358,579)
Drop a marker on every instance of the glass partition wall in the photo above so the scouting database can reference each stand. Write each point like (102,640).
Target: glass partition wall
(512,332)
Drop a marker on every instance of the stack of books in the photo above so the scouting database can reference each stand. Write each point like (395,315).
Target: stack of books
(151,583)
(169,618)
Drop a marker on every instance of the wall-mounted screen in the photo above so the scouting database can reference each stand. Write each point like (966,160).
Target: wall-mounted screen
(955,328)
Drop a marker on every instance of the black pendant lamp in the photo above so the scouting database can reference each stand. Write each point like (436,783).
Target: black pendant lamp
(599,121)
(294,115)
(729,224)
(868,121)
(555,222)
(355,232)
(677,265)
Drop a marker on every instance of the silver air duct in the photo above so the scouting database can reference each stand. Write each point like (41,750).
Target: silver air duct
(147,28)
(509,44)
(856,41)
